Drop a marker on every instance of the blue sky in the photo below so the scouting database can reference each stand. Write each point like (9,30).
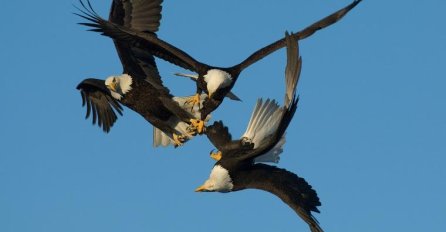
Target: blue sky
(369,134)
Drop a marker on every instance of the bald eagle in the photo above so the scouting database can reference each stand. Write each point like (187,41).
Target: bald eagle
(238,168)
(215,81)
(140,87)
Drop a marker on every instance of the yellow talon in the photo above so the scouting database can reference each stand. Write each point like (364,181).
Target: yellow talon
(178,140)
(194,100)
(198,124)
(216,156)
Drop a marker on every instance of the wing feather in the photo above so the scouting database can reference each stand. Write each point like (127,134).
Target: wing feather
(290,188)
(138,15)
(292,70)
(306,32)
(100,105)
(219,135)
(147,41)
(141,15)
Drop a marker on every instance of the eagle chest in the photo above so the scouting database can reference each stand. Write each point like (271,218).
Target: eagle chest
(145,101)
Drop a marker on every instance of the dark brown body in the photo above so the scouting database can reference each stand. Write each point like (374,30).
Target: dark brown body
(144,99)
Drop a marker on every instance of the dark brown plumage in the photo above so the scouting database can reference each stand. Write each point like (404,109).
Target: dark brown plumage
(170,53)
(146,95)
(100,104)
(290,188)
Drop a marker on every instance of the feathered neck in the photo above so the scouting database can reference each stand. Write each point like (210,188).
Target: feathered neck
(217,79)
(220,179)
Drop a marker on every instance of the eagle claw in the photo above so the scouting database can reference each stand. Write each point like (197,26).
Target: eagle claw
(194,100)
(178,140)
(198,125)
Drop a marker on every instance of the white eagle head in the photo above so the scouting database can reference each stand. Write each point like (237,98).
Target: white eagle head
(216,79)
(219,181)
(119,85)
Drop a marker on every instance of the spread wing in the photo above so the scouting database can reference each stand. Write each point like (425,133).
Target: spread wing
(144,16)
(140,15)
(306,32)
(140,64)
(141,39)
(220,137)
(290,188)
(100,104)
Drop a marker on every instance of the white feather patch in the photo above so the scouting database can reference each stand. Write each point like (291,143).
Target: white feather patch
(219,180)
(124,85)
(217,79)
(273,156)
(264,122)
(162,139)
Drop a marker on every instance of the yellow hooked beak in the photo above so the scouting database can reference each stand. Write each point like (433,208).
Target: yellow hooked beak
(216,156)
(200,189)
(112,86)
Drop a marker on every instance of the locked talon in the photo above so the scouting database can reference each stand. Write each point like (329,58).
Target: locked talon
(198,124)
(191,130)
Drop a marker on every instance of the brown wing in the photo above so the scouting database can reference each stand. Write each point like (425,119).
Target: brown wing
(144,16)
(308,31)
(135,38)
(100,104)
(140,15)
(219,135)
(290,188)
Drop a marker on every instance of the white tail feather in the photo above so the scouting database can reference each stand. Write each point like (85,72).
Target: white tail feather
(263,123)
(160,138)
(273,155)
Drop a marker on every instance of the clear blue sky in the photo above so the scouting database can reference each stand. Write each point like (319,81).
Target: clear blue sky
(369,135)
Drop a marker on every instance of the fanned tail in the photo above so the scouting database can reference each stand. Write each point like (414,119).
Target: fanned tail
(160,138)
(264,121)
